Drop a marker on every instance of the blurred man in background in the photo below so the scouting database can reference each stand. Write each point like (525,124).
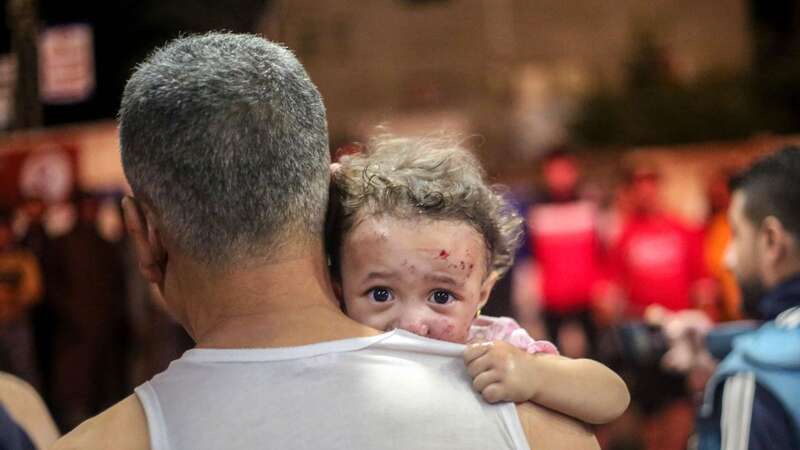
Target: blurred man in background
(90,317)
(20,289)
(753,400)
(31,215)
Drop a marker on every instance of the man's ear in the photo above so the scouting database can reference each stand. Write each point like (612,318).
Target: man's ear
(774,240)
(487,286)
(150,253)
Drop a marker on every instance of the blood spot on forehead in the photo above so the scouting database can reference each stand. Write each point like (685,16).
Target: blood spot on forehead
(444,254)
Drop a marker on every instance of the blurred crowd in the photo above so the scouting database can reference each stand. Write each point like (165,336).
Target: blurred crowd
(76,320)
(596,271)
(79,323)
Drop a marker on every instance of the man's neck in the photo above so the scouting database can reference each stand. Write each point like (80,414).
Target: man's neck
(782,296)
(282,304)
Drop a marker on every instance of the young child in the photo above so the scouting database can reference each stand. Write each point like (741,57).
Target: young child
(417,241)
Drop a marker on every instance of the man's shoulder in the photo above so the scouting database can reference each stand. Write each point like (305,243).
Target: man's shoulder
(27,408)
(121,427)
(774,344)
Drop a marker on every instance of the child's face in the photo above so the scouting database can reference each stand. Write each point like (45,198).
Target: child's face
(424,276)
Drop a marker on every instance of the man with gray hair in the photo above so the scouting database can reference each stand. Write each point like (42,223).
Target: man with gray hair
(225,146)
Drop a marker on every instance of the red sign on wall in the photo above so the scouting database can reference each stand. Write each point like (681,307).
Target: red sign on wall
(66,64)
(45,170)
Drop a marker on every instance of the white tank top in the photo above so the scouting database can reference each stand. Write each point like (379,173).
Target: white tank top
(391,391)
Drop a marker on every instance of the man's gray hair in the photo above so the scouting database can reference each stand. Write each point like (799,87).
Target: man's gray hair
(225,136)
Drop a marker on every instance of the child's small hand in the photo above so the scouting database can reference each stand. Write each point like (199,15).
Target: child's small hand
(500,372)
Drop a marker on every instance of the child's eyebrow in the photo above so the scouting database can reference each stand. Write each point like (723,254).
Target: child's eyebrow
(380,275)
(444,279)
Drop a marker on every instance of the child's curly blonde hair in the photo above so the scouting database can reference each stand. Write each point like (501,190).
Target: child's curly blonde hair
(429,178)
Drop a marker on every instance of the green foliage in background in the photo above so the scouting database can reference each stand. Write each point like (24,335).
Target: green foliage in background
(654,108)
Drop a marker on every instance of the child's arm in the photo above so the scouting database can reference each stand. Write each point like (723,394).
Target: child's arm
(581,388)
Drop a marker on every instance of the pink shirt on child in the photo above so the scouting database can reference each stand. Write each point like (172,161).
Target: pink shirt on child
(487,328)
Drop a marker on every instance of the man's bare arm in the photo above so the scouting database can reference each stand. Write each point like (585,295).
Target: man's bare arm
(548,430)
(121,427)
(29,411)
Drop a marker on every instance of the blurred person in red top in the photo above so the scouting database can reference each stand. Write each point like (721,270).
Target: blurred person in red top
(657,259)
(562,261)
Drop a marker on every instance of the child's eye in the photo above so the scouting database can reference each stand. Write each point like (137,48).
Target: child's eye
(380,295)
(441,297)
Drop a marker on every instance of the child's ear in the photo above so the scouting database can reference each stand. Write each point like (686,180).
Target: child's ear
(339,294)
(337,290)
(487,286)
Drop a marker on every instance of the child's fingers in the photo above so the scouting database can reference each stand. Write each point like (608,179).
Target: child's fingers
(494,393)
(478,366)
(484,379)
(475,351)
